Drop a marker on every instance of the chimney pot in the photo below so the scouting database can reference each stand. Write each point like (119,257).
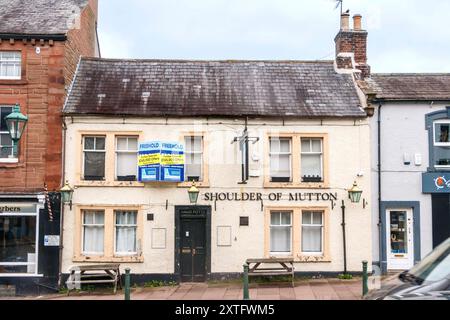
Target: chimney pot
(357,25)
(345,21)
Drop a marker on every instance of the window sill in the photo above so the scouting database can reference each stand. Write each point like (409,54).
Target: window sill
(13,82)
(133,184)
(202,184)
(123,259)
(312,259)
(296,185)
(11,164)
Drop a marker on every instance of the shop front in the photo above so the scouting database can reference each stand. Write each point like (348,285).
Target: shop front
(29,244)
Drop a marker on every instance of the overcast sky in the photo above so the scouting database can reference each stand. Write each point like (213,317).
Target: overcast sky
(404,35)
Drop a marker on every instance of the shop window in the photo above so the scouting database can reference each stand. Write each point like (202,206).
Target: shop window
(126,158)
(93,232)
(312,232)
(10,65)
(6,144)
(442,144)
(194,158)
(311,160)
(280,159)
(18,250)
(281,232)
(94,158)
(125,230)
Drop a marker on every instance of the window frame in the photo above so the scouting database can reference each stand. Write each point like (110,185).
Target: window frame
(135,226)
(12,158)
(290,154)
(205,160)
(94,225)
(108,255)
(202,153)
(19,77)
(290,226)
(296,181)
(116,154)
(83,150)
(321,153)
(312,225)
(440,144)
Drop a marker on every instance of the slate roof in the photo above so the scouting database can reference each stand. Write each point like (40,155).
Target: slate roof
(212,88)
(43,17)
(406,86)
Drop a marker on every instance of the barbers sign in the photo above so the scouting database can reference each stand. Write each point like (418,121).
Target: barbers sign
(17,208)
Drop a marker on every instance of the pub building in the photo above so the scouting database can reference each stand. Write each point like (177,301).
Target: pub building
(183,170)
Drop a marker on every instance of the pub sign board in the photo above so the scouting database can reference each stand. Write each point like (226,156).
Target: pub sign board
(436,182)
(161,161)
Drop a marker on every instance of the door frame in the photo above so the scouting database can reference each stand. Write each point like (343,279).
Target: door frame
(393,205)
(408,257)
(177,253)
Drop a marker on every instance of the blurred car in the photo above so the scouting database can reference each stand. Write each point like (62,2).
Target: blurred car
(427,280)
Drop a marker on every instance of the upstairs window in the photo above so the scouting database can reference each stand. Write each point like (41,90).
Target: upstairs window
(6,144)
(94,158)
(126,158)
(10,65)
(312,160)
(194,158)
(442,144)
(280,159)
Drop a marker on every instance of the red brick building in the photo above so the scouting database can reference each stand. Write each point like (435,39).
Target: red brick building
(40,46)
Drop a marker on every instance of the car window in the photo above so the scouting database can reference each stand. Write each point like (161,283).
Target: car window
(436,266)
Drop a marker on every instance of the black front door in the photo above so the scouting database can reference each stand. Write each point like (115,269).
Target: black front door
(193,249)
(441,218)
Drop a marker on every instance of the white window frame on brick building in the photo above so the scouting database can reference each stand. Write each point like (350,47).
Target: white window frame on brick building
(10,65)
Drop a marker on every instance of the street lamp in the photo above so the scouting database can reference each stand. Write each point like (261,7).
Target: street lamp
(193,193)
(355,193)
(16,123)
(67,194)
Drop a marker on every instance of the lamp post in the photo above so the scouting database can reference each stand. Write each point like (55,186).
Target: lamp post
(193,194)
(16,123)
(67,194)
(354,195)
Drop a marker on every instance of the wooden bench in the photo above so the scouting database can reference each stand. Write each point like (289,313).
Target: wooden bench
(94,274)
(278,267)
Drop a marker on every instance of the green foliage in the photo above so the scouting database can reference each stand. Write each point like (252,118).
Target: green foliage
(345,276)
(157,284)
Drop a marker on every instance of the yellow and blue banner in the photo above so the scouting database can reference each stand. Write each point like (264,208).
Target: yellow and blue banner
(161,161)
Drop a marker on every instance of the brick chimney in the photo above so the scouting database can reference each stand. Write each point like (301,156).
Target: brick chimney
(352,43)
(94,6)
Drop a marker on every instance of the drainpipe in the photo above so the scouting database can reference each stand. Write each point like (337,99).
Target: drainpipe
(380,236)
(343,237)
(61,219)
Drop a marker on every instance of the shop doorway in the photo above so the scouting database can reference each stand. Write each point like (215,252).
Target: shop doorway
(399,239)
(193,243)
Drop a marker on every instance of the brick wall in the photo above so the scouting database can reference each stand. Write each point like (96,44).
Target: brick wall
(41,93)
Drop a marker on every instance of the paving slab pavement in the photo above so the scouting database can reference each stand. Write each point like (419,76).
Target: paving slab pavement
(321,289)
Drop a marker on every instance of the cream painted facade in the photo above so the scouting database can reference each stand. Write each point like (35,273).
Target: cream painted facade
(346,159)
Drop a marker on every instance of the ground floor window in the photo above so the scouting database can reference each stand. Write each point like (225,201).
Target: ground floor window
(93,232)
(126,227)
(18,250)
(108,234)
(312,232)
(281,232)
(298,232)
